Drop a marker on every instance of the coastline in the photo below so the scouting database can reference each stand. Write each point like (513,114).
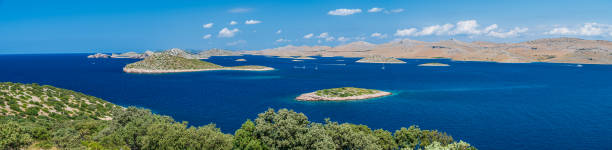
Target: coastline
(146,71)
(312,96)
(380,62)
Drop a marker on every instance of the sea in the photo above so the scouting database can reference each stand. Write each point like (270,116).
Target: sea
(505,106)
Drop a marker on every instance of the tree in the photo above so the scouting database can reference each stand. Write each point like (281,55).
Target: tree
(281,130)
(12,136)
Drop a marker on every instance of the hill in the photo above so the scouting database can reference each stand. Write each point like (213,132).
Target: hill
(33,100)
(165,63)
(554,50)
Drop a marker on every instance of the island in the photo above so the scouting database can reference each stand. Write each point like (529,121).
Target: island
(342,94)
(240,59)
(165,63)
(98,55)
(380,59)
(304,57)
(434,65)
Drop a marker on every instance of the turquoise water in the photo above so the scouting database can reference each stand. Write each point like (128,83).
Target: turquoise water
(490,105)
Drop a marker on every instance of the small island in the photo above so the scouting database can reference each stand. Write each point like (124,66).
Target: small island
(342,94)
(164,63)
(98,55)
(380,59)
(304,57)
(434,65)
(240,59)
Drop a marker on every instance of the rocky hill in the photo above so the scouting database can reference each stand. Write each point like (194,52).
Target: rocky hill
(555,50)
(33,100)
(166,63)
(217,52)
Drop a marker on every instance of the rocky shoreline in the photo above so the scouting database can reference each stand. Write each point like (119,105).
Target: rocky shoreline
(312,96)
(146,71)
(434,65)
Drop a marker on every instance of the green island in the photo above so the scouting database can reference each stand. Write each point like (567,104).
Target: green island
(341,94)
(164,63)
(380,59)
(102,125)
(435,64)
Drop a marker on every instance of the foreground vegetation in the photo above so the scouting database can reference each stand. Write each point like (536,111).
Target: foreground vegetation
(137,128)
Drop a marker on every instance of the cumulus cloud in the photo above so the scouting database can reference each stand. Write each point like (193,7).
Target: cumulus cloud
(252,22)
(397,10)
(233,22)
(587,29)
(208,25)
(343,39)
(234,43)
(512,33)
(406,32)
(375,9)
(227,33)
(308,36)
(207,36)
(378,35)
(279,31)
(282,40)
(326,36)
(343,12)
(435,29)
(239,10)
(466,27)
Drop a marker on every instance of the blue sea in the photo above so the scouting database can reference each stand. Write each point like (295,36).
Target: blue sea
(490,105)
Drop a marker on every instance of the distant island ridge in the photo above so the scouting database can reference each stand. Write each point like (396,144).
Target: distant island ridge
(166,63)
(434,64)
(550,50)
(342,94)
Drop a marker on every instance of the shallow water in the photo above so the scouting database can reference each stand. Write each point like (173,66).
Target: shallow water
(490,105)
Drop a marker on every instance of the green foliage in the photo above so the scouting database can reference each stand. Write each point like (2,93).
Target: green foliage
(345,92)
(169,62)
(12,135)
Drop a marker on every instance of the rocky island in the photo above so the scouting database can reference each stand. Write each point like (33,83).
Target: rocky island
(165,63)
(342,94)
(435,65)
(98,55)
(241,59)
(380,59)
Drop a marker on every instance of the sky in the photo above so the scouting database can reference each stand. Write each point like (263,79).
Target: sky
(78,26)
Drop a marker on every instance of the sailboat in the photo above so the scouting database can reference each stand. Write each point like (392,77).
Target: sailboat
(383,67)
(316,67)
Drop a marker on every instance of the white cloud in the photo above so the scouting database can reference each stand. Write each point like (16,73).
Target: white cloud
(252,22)
(239,42)
(207,36)
(512,33)
(282,40)
(279,31)
(490,28)
(227,33)
(435,29)
(375,9)
(587,29)
(343,12)
(208,25)
(343,39)
(326,36)
(378,35)
(233,22)
(397,10)
(561,31)
(406,32)
(308,36)
(467,27)
(239,10)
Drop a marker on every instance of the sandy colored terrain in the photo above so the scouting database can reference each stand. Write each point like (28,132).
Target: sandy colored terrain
(314,97)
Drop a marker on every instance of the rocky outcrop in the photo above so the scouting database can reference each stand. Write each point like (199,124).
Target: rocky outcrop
(380,59)
(98,55)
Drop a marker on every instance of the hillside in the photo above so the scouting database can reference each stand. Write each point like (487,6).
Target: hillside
(216,52)
(165,63)
(554,50)
(380,59)
(33,100)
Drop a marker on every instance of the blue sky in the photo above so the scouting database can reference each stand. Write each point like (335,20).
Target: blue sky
(70,26)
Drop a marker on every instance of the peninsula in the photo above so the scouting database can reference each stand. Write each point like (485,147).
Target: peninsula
(380,59)
(342,94)
(434,65)
(165,63)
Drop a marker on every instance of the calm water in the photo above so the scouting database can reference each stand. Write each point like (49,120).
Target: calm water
(490,105)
